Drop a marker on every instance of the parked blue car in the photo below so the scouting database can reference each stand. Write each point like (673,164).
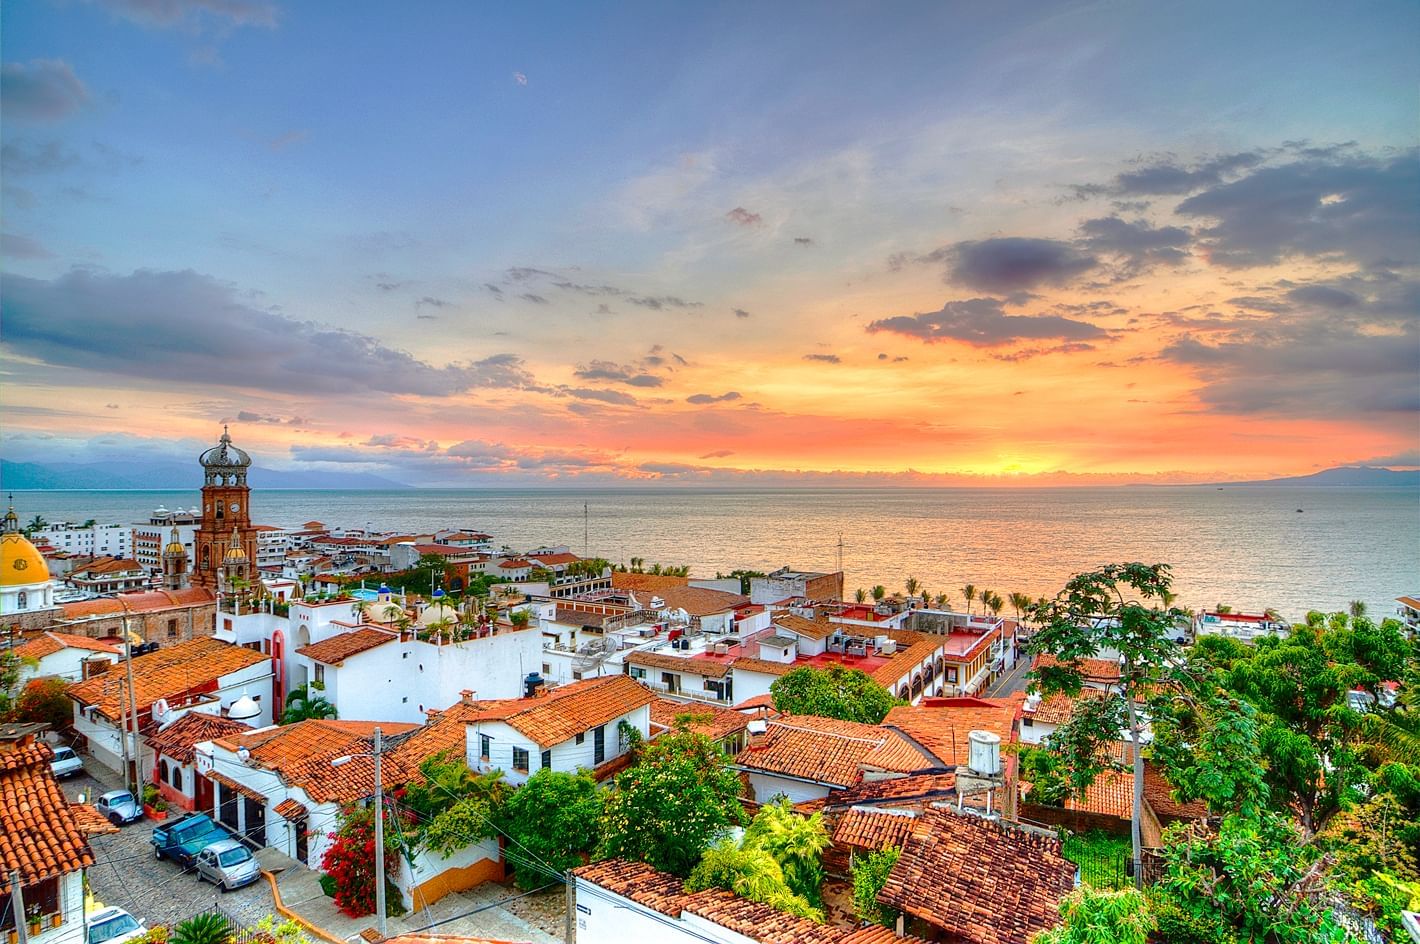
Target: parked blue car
(182,840)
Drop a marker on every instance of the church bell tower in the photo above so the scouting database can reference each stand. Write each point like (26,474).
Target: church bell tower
(226,515)
(174,563)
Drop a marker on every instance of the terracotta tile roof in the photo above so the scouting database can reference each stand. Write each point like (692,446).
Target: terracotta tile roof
(48,643)
(821,750)
(918,787)
(809,629)
(943,730)
(873,829)
(1158,793)
(39,836)
(445,733)
(571,616)
(666,894)
(1094,670)
(1112,794)
(707,668)
(1060,707)
(696,601)
(712,721)
(106,565)
(903,662)
(236,786)
(301,754)
(763,666)
(146,601)
(758,701)
(289,809)
(546,559)
(337,649)
(179,739)
(567,710)
(168,673)
(90,822)
(626,581)
(979,881)
(899,755)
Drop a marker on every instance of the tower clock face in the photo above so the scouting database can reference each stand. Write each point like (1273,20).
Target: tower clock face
(235,507)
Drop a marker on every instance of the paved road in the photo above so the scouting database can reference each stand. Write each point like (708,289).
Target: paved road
(1012,682)
(125,873)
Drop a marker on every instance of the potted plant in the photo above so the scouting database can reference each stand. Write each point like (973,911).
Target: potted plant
(32,920)
(154,806)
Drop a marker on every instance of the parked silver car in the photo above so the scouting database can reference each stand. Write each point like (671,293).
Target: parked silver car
(229,864)
(66,763)
(113,926)
(119,807)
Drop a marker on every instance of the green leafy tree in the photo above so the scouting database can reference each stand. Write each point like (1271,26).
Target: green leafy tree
(1211,750)
(454,806)
(679,798)
(10,665)
(1090,916)
(553,820)
(870,874)
(878,593)
(796,843)
(1248,881)
(750,873)
(833,692)
(302,705)
(1116,609)
(860,595)
(207,928)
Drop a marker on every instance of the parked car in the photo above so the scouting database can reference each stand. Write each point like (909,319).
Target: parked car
(66,763)
(113,926)
(183,839)
(228,864)
(119,807)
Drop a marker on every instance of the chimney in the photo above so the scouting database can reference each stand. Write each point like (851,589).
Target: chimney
(758,733)
(466,696)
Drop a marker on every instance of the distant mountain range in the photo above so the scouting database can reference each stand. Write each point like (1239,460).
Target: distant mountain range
(1353,475)
(23,476)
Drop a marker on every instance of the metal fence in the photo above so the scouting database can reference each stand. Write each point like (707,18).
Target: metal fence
(237,932)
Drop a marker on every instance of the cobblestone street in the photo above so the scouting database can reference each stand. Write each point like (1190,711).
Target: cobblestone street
(125,873)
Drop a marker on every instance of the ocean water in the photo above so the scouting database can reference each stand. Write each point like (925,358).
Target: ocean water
(1293,548)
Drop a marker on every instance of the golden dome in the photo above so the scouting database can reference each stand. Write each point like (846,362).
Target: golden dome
(21,564)
(175,545)
(235,551)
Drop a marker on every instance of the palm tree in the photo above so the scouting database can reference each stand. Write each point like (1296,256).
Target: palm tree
(301,705)
(860,595)
(207,928)
(993,600)
(36,524)
(879,592)
(361,611)
(943,602)
(89,523)
(969,591)
(1357,609)
(1020,602)
(912,586)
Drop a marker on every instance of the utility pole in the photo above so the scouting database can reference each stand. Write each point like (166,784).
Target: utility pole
(379,841)
(586,531)
(568,929)
(17,905)
(136,752)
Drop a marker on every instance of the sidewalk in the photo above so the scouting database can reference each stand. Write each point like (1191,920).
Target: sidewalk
(301,893)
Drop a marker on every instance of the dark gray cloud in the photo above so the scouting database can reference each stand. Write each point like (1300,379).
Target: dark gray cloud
(1167,176)
(1028,353)
(1138,243)
(718,454)
(741,313)
(1324,296)
(703,398)
(167,14)
(251,416)
(982,322)
(20,158)
(433,302)
(743,217)
(41,90)
(185,327)
(824,358)
(615,397)
(22,247)
(583,289)
(535,299)
(803,241)
(1012,263)
(426,317)
(661,302)
(1358,208)
(629,374)
(493,288)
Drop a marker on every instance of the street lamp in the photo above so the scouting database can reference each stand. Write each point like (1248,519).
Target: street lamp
(379,829)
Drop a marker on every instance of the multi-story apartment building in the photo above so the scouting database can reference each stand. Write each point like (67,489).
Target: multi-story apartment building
(91,540)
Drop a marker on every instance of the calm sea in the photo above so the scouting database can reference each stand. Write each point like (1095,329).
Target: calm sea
(1291,548)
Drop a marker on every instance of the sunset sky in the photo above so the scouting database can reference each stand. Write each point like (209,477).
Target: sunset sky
(724,242)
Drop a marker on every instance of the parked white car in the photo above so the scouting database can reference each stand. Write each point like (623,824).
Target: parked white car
(66,763)
(113,926)
(228,864)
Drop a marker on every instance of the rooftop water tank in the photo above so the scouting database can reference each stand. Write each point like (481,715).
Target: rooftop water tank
(985,756)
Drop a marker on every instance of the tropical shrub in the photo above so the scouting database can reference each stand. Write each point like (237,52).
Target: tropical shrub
(552,822)
(870,874)
(350,861)
(796,843)
(750,873)
(208,928)
(1090,916)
